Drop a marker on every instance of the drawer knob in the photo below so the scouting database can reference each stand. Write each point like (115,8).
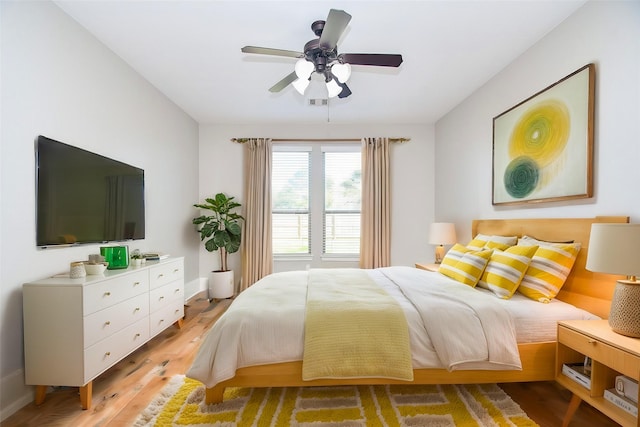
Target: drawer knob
(177,290)
(107,323)
(136,283)
(106,294)
(107,354)
(160,275)
(137,335)
(176,270)
(137,309)
(590,341)
(161,298)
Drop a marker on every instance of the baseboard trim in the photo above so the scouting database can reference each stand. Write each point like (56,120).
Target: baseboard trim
(15,394)
(194,287)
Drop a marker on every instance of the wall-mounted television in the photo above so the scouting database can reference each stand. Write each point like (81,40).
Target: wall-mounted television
(83,197)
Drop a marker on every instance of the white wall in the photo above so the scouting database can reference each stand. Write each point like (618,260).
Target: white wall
(412,186)
(605,33)
(59,81)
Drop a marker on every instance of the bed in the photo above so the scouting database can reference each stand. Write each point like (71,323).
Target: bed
(584,290)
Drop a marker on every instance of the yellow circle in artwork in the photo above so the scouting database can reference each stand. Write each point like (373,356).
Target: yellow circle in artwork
(541,133)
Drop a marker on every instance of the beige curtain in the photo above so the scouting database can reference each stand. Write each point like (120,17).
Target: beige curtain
(257,253)
(375,216)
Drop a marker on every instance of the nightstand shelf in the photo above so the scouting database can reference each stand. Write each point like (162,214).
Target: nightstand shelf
(612,354)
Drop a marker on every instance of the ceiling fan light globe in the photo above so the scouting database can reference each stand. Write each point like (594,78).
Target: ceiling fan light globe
(301,85)
(342,72)
(333,88)
(304,69)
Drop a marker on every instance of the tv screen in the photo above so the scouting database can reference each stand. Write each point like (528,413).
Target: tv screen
(83,197)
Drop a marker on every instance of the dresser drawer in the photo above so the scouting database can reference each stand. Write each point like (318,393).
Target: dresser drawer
(167,272)
(161,296)
(606,354)
(166,316)
(100,295)
(103,323)
(109,351)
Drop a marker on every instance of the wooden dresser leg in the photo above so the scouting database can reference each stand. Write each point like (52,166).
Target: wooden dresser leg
(41,392)
(573,407)
(179,323)
(85,395)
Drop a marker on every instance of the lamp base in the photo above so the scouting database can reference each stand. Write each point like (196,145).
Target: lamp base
(624,317)
(439,254)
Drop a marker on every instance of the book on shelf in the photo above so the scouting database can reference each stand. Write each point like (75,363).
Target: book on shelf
(155,256)
(622,402)
(579,373)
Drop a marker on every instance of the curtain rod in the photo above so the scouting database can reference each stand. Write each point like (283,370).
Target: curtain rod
(243,140)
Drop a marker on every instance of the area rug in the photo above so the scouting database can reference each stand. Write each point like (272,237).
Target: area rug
(181,403)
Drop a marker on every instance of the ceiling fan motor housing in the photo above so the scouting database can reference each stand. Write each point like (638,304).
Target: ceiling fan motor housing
(319,57)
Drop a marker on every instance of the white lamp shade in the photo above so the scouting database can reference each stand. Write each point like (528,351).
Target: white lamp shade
(333,89)
(614,249)
(342,72)
(304,69)
(442,233)
(301,85)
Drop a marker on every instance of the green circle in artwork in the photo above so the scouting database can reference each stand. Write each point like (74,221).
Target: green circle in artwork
(521,177)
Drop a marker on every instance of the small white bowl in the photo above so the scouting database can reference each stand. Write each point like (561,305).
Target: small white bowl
(95,268)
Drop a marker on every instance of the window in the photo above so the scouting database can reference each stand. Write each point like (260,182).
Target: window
(316,200)
(291,209)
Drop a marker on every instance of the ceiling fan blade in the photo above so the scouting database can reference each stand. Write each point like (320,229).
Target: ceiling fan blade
(283,83)
(379,59)
(345,90)
(275,52)
(335,25)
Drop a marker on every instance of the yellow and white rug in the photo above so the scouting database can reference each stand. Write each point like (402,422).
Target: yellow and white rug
(181,404)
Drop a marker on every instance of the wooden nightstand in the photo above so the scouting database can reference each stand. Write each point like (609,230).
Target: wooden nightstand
(428,267)
(612,354)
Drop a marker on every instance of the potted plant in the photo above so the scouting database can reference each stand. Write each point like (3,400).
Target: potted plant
(220,231)
(136,258)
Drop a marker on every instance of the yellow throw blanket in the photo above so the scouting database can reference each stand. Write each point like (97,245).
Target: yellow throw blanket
(353,328)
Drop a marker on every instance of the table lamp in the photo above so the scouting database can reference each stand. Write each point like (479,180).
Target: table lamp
(615,249)
(440,234)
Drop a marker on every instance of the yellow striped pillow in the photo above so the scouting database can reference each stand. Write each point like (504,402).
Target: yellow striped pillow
(497,245)
(483,241)
(548,271)
(506,269)
(464,265)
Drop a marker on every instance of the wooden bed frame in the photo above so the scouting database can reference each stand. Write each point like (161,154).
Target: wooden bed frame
(584,289)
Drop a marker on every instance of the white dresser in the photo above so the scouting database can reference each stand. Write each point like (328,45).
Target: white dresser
(75,329)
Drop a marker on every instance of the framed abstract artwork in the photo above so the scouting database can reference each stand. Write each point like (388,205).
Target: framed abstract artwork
(543,147)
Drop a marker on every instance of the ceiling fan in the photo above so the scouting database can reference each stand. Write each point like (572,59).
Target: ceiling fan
(321,56)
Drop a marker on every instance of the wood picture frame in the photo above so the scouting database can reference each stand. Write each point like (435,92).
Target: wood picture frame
(543,146)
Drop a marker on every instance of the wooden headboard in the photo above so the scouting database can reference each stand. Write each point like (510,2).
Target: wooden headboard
(583,288)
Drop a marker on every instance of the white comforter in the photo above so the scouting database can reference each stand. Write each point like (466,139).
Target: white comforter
(451,326)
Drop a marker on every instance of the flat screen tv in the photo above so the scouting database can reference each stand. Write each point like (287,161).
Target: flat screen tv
(83,197)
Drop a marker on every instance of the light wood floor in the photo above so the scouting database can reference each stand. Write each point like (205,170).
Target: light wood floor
(127,388)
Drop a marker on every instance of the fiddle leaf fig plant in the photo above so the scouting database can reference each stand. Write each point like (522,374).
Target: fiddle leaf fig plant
(221,230)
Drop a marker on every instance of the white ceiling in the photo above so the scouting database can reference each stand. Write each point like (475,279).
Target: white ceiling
(190,51)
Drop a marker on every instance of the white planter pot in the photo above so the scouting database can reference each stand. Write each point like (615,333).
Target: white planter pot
(221,284)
